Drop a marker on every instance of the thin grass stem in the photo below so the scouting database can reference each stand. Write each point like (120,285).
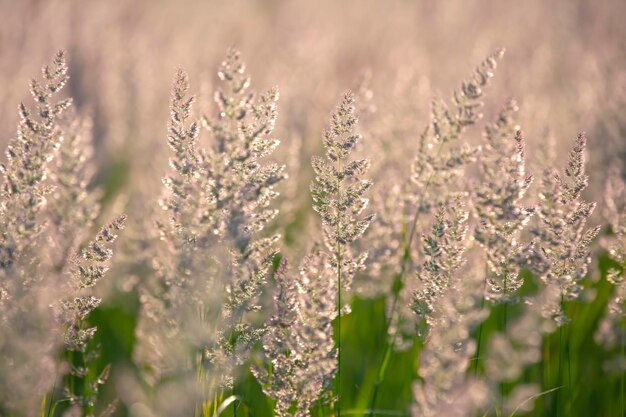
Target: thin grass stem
(338,388)
(480,327)
(623,373)
(338,381)
(556,401)
(569,373)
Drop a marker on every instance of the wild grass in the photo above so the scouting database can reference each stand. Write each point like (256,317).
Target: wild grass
(423,271)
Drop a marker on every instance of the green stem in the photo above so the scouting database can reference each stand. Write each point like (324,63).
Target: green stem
(72,376)
(506,311)
(506,308)
(623,375)
(479,340)
(546,368)
(569,373)
(559,368)
(382,371)
(386,356)
(320,409)
(52,396)
(88,410)
(338,388)
(233,343)
(337,230)
(480,327)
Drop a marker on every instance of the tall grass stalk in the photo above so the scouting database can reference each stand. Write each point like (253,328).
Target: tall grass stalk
(480,327)
(563,345)
(338,193)
(397,286)
(338,383)
(504,325)
(559,374)
(623,373)
(570,387)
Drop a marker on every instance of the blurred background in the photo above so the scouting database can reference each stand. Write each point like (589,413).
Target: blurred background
(565,65)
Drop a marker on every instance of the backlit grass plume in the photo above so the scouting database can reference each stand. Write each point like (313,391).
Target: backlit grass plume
(443,154)
(242,184)
(497,202)
(298,343)
(562,236)
(72,206)
(444,387)
(23,193)
(181,300)
(28,338)
(443,249)
(338,193)
(441,158)
(447,303)
(215,259)
(88,267)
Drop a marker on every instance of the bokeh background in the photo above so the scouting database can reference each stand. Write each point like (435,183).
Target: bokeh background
(565,65)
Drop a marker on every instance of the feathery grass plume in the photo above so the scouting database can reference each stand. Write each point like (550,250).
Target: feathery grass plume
(27,343)
(23,193)
(338,193)
(277,346)
(242,186)
(186,199)
(89,267)
(562,239)
(497,202)
(180,305)
(440,159)
(212,271)
(436,171)
(298,343)
(72,207)
(443,248)
(611,332)
(445,388)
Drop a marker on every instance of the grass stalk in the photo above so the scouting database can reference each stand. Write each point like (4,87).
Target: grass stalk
(338,387)
(504,325)
(559,370)
(233,343)
(506,308)
(381,372)
(569,373)
(338,380)
(397,286)
(545,368)
(480,326)
(623,373)
(479,340)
